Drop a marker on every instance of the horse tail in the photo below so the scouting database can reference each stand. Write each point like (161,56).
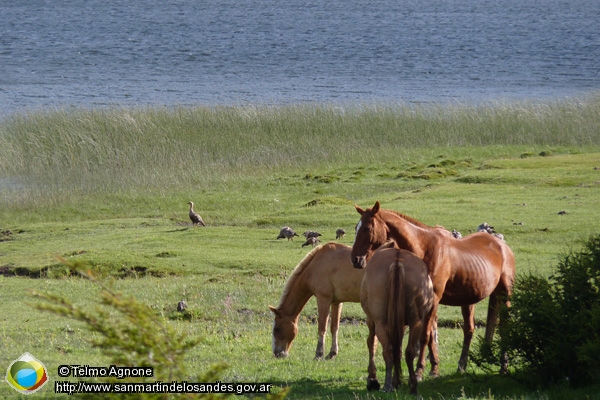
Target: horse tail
(396,307)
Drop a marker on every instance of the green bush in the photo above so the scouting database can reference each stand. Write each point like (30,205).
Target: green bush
(553,326)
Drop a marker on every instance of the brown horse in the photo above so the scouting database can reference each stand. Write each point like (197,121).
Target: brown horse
(326,272)
(463,271)
(397,291)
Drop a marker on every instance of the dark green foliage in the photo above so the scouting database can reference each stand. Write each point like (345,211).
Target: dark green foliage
(553,326)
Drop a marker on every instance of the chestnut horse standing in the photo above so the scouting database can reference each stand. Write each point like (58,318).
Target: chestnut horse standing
(463,271)
(326,272)
(397,291)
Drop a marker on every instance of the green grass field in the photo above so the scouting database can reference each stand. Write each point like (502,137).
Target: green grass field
(110,187)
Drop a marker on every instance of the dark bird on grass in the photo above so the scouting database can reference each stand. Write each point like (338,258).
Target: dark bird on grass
(287,232)
(456,234)
(181,306)
(485,227)
(194,216)
(308,234)
(5,235)
(339,233)
(312,240)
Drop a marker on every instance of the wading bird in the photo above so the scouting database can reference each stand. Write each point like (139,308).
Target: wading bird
(194,216)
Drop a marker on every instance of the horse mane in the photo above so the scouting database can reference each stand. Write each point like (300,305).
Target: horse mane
(297,272)
(409,219)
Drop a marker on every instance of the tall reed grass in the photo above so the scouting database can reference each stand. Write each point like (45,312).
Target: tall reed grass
(125,148)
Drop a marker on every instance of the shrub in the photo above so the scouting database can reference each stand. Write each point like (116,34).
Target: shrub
(553,326)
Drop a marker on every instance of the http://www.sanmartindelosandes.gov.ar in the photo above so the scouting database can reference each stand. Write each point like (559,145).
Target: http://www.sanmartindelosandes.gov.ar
(26,374)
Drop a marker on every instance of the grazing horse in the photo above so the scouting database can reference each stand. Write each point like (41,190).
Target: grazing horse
(463,271)
(326,272)
(397,291)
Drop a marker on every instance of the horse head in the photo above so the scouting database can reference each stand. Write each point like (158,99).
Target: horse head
(371,233)
(285,330)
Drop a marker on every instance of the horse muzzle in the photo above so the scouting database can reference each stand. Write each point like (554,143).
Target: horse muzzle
(281,354)
(359,262)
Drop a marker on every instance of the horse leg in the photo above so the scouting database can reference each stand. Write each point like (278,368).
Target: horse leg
(412,349)
(381,331)
(323,311)
(429,339)
(492,317)
(336,313)
(434,358)
(468,313)
(372,382)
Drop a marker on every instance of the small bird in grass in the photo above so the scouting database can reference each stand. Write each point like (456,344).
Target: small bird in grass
(287,232)
(312,240)
(456,234)
(339,233)
(308,234)
(194,216)
(485,227)
(181,306)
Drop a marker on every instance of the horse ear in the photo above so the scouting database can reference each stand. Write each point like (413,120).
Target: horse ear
(275,311)
(359,210)
(376,207)
(388,245)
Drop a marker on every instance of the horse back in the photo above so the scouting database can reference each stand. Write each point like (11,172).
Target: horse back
(331,274)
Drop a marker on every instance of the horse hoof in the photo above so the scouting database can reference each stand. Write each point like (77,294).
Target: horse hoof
(388,389)
(412,386)
(373,384)
(331,356)
(434,373)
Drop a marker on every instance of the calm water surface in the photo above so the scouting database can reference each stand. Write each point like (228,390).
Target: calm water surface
(178,52)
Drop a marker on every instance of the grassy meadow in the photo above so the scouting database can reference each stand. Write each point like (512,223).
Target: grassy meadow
(109,187)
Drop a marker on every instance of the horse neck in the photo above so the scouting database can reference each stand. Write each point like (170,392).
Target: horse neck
(295,296)
(404,232)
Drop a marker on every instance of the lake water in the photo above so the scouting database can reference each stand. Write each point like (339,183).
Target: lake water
(95,53)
